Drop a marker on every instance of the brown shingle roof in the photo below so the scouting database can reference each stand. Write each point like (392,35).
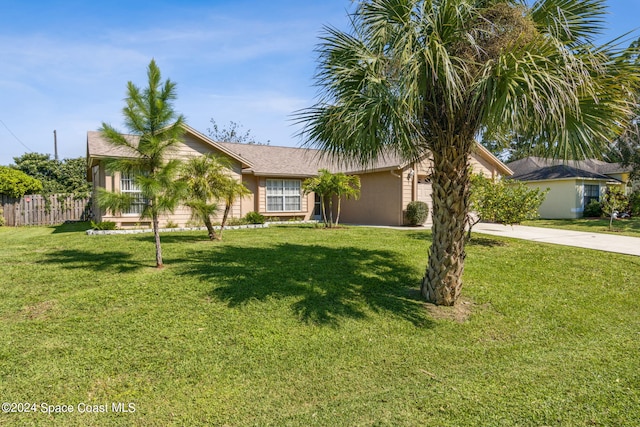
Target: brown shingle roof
(274,160)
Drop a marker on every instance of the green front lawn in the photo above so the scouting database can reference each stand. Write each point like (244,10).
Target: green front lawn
(301,326)
(625,227)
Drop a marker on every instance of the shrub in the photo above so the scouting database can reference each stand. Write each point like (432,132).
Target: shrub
(417,213)
(171,224)
(1,217)
(104,225)
(236,221)
(254,218)
(593,209)
(15,183)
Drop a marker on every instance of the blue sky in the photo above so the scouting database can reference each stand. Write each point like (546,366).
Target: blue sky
(65,64)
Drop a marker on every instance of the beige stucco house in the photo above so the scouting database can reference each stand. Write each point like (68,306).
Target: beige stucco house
(572,184)
(275,175)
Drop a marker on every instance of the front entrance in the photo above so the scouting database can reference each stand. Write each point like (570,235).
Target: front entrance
(317,208)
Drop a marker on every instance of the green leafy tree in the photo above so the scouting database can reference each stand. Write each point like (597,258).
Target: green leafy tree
(57,177)
(502,201)
(15,183)
(413,77)
(613,202)
(329,186)
(150,117)
(206,178)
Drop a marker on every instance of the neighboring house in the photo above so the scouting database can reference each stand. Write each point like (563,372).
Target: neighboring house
(572,184)
(275,175)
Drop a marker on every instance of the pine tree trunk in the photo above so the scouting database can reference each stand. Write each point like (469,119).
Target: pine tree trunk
(450,183)
(156,235)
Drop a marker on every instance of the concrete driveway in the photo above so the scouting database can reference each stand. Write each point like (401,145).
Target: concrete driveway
(602,242)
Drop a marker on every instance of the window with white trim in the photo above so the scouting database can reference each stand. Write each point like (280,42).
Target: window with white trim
(129,186)
(283,195)
(591,192)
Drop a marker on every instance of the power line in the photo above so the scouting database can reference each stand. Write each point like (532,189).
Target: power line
(14,135)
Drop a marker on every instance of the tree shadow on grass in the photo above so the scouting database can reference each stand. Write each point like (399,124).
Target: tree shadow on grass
(118,261)
(176,237)
(71,227)
(326,284)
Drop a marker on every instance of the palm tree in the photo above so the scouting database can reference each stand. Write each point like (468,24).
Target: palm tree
(322,186)
(206,178)
(345,186)
(150,117)
(414,77)
(230,192)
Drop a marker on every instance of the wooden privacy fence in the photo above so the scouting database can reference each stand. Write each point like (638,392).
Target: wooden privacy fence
(34,210)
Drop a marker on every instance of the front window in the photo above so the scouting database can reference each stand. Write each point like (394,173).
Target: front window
(283,195)
(591,192)
(129,186)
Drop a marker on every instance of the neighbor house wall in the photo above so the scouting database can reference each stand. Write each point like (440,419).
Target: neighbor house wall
(563,201)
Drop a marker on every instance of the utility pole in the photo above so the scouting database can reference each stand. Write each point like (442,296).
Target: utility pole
(55,144)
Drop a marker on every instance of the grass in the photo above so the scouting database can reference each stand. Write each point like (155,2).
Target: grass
(298,326)
(625,227)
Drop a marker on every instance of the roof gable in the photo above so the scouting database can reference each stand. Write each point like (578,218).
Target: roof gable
(99,147)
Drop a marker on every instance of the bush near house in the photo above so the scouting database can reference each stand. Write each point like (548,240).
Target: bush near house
(593,209)
(104,225)
(417,213)
(254,218)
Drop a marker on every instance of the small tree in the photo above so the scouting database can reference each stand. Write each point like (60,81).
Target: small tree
(329,185)
(321,185)
(347,186)
(504,202)
(613,201)
(149,115)
(206,178)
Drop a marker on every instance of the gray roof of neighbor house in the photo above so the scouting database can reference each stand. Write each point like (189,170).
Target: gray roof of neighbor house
(538,168)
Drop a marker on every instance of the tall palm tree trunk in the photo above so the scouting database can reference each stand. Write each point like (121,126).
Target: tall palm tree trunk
(156,235)
(227,209)
(442,282)
(324,211)
(209,225)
